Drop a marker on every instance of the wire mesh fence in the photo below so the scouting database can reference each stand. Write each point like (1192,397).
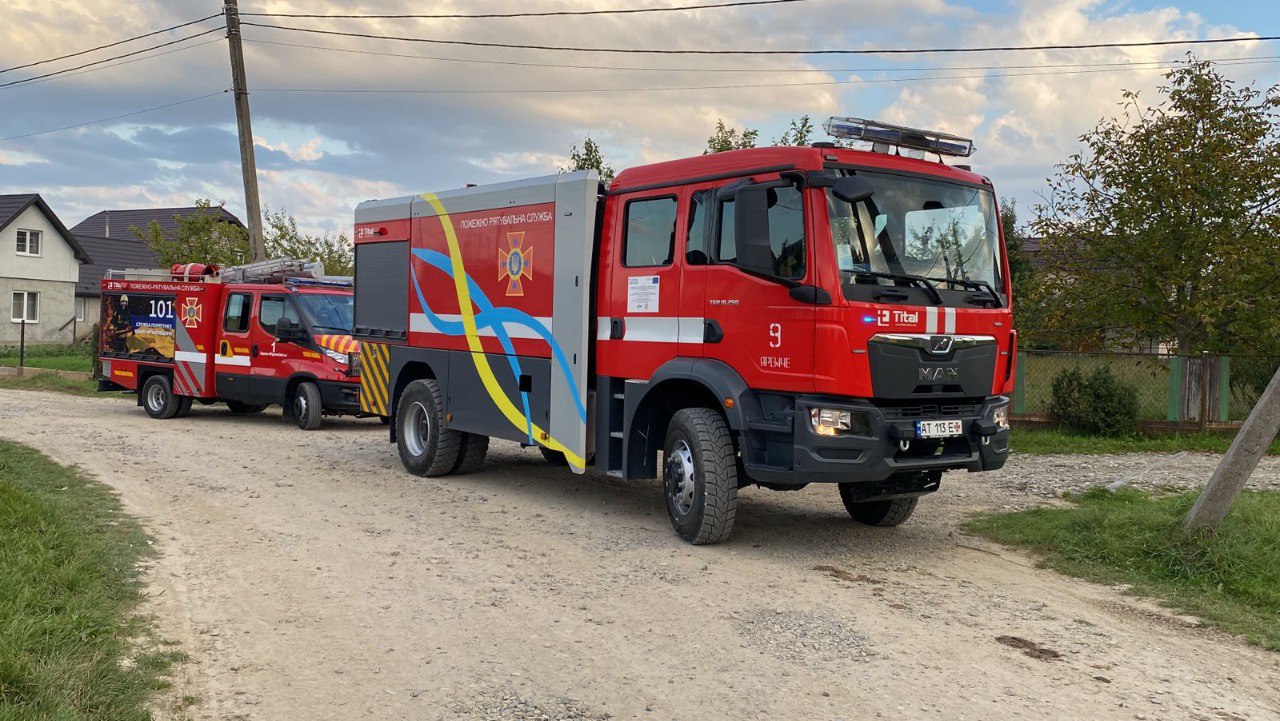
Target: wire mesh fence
(1204,388)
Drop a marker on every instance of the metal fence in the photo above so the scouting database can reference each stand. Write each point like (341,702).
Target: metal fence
(1203,390)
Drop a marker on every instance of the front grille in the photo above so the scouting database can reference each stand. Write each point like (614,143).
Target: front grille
(917,411)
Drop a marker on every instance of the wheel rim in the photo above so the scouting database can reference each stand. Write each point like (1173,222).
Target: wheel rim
(300,406)
(156,397)
(417,429)
(680,478)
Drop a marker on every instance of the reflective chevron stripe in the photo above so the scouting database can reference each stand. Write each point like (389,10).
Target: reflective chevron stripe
(373,378)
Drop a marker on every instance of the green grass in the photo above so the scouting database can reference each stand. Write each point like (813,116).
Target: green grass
(1230,578)
(62,357)
(51,382)
(60,363)
(1039,441)
(1148,374)
(71,644)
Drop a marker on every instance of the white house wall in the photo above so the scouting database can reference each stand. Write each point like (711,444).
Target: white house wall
(56,262)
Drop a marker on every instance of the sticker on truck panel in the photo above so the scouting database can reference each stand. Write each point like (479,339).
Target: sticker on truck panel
(642,293)
(515,263)
(138,325)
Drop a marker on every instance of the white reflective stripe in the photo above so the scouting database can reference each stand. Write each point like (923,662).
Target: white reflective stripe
(650,329)
(419,323)
(931,319)
(235,360)
(190,356)
(951,321)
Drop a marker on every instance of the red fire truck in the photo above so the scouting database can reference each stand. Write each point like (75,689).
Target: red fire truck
(769,316)
(249,336)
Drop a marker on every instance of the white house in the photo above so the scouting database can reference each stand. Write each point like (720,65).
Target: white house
(39,266)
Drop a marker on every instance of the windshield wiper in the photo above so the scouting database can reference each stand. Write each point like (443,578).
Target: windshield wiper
(922,282)
(978,284)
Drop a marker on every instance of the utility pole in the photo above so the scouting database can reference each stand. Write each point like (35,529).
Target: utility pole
(248,166)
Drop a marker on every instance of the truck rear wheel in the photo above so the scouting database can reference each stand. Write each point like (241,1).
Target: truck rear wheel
(184,406)
(472,453)
(306,406)
(700,476)
(877,513)
(426,447)
(241,409)
(158,398)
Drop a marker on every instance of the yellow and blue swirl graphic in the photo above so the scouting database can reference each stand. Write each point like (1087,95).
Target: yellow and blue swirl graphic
(478,312)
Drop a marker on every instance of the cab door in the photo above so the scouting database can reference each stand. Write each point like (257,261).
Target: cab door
(233,360)
(273,360)
(766,335)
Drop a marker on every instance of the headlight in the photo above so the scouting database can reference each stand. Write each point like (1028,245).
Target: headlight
(1001,416)
(336,356)
(829,421)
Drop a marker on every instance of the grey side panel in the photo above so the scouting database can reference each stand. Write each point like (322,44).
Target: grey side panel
(382,291)
(377,211)
(493,197)
(571,304)
(475,412)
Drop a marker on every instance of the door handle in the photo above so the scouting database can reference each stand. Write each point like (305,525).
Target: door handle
(253,350)
(616,329)
(711,331)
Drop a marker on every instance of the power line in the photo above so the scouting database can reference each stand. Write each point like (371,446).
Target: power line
(112,45)
(704,69)
(47,79)
(549,13)
(113,117)
(877,51)
(107,60)
(555,91)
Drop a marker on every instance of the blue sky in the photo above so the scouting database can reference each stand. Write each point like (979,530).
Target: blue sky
(321,153)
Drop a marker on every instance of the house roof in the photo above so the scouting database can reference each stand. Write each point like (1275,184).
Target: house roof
(11,206)
(110,254)
(116,223)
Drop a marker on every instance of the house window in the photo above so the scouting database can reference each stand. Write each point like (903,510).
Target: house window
(29,242)
(26,306)
(80,306)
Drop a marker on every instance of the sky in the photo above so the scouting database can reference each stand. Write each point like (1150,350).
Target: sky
(473,115)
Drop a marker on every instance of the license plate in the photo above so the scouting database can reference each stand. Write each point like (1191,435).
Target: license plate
(939,429)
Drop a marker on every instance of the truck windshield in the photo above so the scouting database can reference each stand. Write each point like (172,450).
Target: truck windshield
(946,232)
(327,312)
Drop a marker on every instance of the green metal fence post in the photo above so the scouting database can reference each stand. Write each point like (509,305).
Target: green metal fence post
(1019,389)
(1174,407)
(1224,390)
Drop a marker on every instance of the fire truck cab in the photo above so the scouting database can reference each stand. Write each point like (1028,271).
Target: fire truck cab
(770,316)
(269,333)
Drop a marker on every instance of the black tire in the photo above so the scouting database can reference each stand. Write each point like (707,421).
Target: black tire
(243,409)
(700,476)
(426,447)
(158,398)
(555,458)
(472,453)
(878,513)
(307,407)
(184,406)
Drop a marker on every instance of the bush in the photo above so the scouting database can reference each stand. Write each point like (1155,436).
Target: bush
(1098,404)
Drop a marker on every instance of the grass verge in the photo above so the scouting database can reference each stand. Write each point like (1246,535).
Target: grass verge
(71,643)
(1230,578)
(57,362)
(1039,441)
(51,382)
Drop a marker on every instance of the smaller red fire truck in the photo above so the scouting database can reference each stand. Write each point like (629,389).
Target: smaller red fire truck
(275,332)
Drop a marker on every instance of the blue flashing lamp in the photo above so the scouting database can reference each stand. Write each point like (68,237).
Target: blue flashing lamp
(874,131)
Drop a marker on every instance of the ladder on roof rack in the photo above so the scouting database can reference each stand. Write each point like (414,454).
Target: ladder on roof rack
(268,270)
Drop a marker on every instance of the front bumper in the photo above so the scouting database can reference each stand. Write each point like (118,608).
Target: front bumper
(340,396)
(885,447)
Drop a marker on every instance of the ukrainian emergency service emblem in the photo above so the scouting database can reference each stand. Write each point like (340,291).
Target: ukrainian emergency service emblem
(515,263)
(190,313)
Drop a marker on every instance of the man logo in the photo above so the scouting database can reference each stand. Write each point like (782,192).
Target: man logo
(939,373)
(940,344)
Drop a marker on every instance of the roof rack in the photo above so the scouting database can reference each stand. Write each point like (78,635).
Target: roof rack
(325,281)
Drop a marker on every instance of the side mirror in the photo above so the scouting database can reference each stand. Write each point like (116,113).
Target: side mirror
(751,231)
(853,189)
(288,330)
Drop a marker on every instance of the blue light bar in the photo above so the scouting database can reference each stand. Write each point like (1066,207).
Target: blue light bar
(873,131)
(328,281)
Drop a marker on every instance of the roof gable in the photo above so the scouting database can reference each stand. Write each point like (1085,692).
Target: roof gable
(11,206)
(117,223)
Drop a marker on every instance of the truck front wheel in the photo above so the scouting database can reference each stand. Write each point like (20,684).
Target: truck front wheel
(700,476)
(877,513)
(426,447)
(158,398)
(307,406)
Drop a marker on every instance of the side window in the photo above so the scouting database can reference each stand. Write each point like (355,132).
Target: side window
(727,248)
(698,222)
(786,232)
(271,309)
(650,239)
(237,316)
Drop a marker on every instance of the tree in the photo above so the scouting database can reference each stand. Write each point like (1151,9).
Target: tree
(589,158)
(729,138)
(284,240)
(799,133)
(1165,225)
(202,237)
(1020,267)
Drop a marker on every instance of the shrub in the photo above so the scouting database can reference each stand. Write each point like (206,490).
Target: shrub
(1097,404)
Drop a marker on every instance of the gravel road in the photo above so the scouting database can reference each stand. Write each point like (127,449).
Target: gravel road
(309,577)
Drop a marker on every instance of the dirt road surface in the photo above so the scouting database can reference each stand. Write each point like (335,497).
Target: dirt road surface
(309,577)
